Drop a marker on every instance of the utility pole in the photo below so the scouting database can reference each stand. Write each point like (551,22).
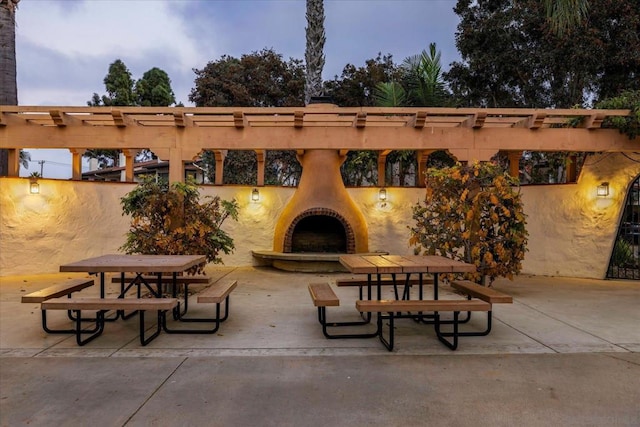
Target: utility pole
(41,163)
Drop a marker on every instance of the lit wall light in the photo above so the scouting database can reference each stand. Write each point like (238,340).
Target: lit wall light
(382,195)
(255,195)
(603,190)
(34,187)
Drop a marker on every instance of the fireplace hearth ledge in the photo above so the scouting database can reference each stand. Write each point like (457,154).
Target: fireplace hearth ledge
(304,262)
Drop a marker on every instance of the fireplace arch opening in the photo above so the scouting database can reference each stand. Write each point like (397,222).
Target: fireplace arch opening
(319,231)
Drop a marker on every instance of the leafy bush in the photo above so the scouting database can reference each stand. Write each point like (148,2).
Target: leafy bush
(622,253)
(629,125)
(170,220)
(472,213)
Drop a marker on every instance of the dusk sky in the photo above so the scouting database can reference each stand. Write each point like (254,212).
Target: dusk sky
(64,47)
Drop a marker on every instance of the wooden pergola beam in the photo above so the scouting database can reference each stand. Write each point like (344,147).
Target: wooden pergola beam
(119,119)
(175,133)
(360,120)
(418,120)
(239,121)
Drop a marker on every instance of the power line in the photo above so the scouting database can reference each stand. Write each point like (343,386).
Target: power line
(50,162)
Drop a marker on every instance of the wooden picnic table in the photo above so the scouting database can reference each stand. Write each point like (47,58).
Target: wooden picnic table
(138,264)
(404,264)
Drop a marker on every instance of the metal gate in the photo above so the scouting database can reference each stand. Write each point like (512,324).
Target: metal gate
(625,261)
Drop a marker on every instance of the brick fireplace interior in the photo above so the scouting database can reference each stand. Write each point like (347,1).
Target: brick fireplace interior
(319,231)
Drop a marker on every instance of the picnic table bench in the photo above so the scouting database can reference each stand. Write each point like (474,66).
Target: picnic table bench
(219,294)
(323,296)
(102,305)
(484,293)
(128,280)
(387,309)
(65,288)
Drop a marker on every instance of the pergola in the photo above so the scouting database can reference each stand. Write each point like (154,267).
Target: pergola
(179,134)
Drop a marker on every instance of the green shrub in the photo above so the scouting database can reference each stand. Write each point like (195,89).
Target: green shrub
(472,213)
(622,253)
(170,220)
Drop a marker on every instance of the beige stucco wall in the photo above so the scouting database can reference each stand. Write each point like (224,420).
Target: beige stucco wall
(571,231)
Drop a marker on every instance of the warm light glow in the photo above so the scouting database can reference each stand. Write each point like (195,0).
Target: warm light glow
(255,195)
(382,195)
(603,189)
(34,187)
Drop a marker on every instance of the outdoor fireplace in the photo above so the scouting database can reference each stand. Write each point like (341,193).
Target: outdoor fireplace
(321,217)
(319,231)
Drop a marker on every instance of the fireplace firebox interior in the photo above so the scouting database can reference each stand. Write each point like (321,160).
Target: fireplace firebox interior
(319,233)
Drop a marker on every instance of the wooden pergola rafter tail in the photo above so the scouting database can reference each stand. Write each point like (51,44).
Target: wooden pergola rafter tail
(176,133)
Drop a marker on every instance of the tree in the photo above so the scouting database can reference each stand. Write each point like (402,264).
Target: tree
(119,85)
(356,86)
(422,77)
(629,125)
(314,51)
(25,158)
(510,58)
(566,15)
(8,83)
(171,220)
(473,214)
(259,79)
(154,89)
(424,81)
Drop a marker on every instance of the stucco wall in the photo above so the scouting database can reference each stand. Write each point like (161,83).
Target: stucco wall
(571,231)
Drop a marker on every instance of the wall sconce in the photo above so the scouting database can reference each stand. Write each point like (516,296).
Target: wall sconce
(603,189)
(382,195)
(255,195)
(34,187)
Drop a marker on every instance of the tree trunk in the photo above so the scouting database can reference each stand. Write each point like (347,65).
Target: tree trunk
(313,54)
(8,83)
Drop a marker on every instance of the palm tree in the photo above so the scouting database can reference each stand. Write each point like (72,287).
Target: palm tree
(25,158)
(8,84)
(426,87)
(390,94)
(424,84)
(565,15)
(314,55)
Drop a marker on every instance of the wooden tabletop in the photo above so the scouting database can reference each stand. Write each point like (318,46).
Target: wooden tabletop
(135,263)
(374,264)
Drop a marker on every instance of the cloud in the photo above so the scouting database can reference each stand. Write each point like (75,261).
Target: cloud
(64,48)
(71,45)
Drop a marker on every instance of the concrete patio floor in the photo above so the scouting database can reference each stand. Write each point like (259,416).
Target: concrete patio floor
(566,352)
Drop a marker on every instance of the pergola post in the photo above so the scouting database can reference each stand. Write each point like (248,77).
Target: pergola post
(422,157)
(382,161)
(129,156)
(514,163)
(219,156)
(572,169)
(13,168)
(260,155)
(76,163)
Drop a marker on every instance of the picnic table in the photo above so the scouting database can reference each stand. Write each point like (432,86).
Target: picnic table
(377,265)
(139,265)
(390,309)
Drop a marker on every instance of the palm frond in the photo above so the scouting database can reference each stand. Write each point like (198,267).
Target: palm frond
(390,94)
